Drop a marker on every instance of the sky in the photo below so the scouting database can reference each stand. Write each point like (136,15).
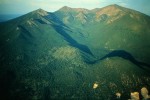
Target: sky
(25,6)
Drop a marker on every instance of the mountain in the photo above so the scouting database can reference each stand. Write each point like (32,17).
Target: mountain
(62,55)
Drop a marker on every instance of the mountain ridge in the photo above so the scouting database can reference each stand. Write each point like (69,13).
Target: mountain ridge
(63,54)
(80,18)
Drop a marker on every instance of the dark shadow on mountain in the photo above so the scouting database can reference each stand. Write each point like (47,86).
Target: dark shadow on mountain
(59,27)
(125,55)
(71,41)
(54,18)
(40,21)
(6,82)
(25,34)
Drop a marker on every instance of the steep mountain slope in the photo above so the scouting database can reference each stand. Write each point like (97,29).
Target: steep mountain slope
(36,41)
(61,55)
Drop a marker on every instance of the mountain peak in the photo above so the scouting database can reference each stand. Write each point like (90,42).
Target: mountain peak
(65,8)
(41,12)
(115,5)
(81,9)
(110,10)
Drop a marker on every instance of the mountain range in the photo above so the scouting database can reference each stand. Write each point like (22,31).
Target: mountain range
(60,55)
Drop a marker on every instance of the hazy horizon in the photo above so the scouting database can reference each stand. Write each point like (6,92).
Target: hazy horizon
(23,7)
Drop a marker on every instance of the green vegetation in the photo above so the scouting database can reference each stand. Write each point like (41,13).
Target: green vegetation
(59,55)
